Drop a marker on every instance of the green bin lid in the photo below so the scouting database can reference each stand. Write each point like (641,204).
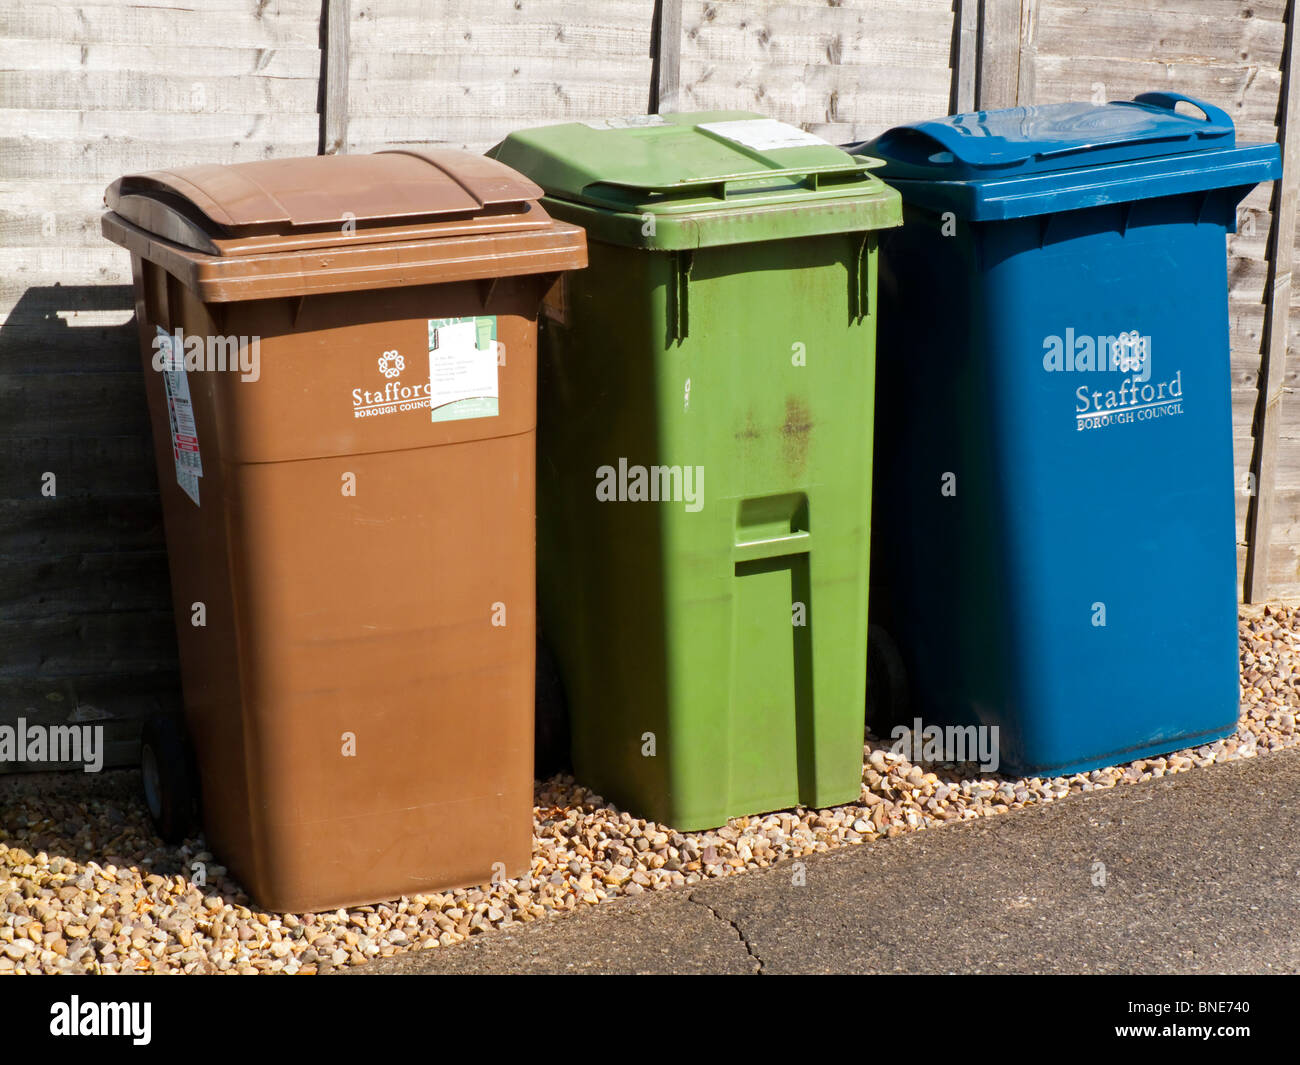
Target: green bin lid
(699,179)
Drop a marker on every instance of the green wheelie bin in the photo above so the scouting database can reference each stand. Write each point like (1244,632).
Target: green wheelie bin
(704,458)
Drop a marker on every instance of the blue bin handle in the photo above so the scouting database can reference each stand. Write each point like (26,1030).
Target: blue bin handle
(1170,101)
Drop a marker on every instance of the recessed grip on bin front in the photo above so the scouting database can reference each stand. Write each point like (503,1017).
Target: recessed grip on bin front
(771,527)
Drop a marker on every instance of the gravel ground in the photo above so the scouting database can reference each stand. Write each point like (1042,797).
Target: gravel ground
(85,885)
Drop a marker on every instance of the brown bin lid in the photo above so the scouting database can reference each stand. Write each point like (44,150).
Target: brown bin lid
(258,212)
(276,204)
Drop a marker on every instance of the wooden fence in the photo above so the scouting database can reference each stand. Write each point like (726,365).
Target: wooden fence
(91,89)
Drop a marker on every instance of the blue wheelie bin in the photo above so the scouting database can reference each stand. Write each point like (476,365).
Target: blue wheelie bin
(1054,550)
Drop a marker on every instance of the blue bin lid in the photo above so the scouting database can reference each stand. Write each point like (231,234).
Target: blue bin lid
(1030,160)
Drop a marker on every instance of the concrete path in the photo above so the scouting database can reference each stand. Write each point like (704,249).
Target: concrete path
(1201,874)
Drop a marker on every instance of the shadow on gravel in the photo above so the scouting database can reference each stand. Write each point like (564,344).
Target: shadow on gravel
(79,818)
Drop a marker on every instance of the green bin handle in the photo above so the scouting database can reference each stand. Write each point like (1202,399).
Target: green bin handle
(717,186)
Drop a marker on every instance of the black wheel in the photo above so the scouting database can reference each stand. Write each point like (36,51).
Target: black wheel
(550,718)
(887,695)
(169,779)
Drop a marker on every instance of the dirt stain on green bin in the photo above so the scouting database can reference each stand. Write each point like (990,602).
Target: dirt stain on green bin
(795,434)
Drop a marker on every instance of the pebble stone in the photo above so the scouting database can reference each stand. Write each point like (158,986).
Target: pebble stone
(85,886)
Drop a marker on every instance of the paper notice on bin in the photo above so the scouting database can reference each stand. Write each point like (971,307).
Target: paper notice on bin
(186,454)
(763,134)
(189,483)
(463,368)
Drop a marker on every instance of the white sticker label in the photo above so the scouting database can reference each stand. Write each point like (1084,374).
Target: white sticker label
(463,368)
(630,122)
(763,134)
(180,416)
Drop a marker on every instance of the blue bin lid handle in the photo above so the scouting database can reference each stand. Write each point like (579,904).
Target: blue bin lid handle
(1170,101)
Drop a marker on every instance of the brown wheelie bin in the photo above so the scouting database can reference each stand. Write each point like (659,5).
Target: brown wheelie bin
(349,511)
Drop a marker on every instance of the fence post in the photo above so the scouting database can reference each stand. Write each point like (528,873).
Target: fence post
(1277,308)
(998,61)
(333,96)
(966,31)
(667,77)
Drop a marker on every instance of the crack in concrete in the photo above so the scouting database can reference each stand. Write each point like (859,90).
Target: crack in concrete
(744,939)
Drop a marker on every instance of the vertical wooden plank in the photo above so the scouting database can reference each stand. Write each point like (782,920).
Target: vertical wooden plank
(667,85)
(335,19)
(998,64)
(1281,242)
(1028,52)
(965,32)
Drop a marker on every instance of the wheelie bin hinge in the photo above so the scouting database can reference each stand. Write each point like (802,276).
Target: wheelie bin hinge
(1206,198)
(486,287)
(861,280)
(682,261)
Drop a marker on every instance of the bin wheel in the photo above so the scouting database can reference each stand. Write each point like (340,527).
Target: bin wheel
(887,689)
(550,718)
(168,777)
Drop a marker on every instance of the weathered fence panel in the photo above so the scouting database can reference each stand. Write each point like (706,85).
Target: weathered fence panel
(95,88)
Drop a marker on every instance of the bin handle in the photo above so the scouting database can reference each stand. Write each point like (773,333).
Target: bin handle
(917,144)
(792,543)
(1170,100)
(718,186)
